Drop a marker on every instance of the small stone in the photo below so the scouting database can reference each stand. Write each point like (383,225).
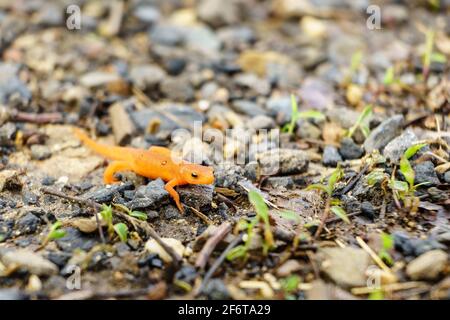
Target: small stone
(197,196)
(345,266)
(317,94)
(349,150)
(179,114)
(249,108)
(228,175)
(97,79)
(342,116)
(58,257)
(153,196)
(261,122)
(413,246)
(427,266)
(7,132)
(447,177)
(425,173)
(147,14)
(29,261)
(146,76)
(331,156)
(175,66)
(152,260)
(368,210)
(153,247)
(167,35)
(28,223)
(306,130)
(12,294)
(218,13)
(397,147)
(177,89)
(279,182)
(202,39)
(280,107)
(11,87)
(216,289)
(75,239)
(252,81)
(187,274)
(48,181)
(384,133)
(443,237)
(86,225)
(40,152)
(29,197)
(170,212)
(251,170)
(283,161)
(5,229)
(107,193)
(288,267)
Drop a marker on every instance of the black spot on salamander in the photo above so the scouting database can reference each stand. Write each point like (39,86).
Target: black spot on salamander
(163,163)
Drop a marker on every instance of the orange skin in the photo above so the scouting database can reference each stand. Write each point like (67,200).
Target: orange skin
(156,162)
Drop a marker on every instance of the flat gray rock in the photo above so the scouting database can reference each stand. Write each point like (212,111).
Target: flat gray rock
(384,133)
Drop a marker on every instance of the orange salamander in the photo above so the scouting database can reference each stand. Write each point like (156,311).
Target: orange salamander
(156,162)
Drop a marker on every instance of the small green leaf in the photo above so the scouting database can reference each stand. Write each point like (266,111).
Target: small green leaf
(258,203)
(122,231)
(389,76)
(438,57)
(237,252)
(407,171)
(365,130)
(290,215)
(290,283)
(422,184)
(262,211)
(334,178)
(294,116)
(139,215)
(106,213)
(411,151)
(386,257)
(356,61)
(397,185)
(311,114)
(57,234)
(362,122)
(387,240)
(376,295)
(365,114)
(318,186)
(183,285)
(340,213)
(429,44)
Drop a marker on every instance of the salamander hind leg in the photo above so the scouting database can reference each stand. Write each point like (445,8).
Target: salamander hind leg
(175,196)
(113,167)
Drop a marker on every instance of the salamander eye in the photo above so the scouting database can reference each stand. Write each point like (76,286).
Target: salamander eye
(194,174)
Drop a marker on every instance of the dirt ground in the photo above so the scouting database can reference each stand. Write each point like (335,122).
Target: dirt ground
(326,124)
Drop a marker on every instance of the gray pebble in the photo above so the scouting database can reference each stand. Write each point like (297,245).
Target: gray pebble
(425,173)
(384,133)
(331,156)
(350,150)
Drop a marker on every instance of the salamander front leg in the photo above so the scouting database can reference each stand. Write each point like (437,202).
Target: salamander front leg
(176,197)
(113,167)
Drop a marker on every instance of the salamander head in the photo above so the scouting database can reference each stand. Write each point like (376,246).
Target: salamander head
(197,174)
